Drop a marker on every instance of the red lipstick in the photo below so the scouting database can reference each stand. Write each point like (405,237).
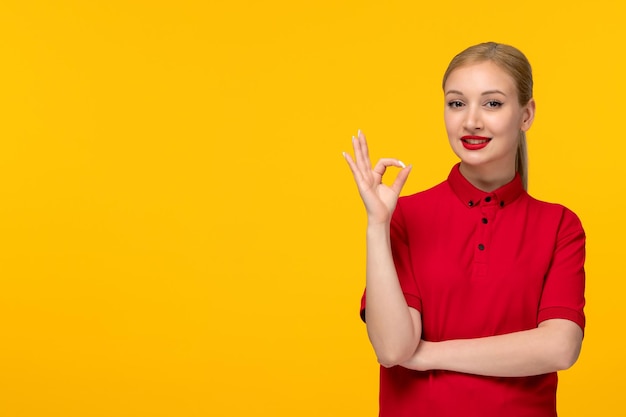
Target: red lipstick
(474,143)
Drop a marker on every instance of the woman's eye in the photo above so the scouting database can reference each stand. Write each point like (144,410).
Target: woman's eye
(455,104)
(493,104)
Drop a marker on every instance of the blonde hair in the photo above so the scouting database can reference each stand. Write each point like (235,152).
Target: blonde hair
(515,63)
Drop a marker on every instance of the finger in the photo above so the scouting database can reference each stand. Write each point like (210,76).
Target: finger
(355,170)
(401,179)
(363,177)
(366,152)
(360,155)
(381,167)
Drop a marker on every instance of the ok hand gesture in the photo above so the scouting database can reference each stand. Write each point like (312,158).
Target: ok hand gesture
(379,199)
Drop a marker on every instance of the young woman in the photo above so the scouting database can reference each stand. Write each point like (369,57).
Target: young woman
(474,289)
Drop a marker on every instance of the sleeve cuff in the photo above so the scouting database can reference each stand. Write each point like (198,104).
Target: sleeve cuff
(562,313)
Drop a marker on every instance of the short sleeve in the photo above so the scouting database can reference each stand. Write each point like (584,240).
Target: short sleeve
(564,286)
(401,253)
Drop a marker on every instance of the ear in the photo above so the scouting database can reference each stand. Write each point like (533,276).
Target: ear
(528,115)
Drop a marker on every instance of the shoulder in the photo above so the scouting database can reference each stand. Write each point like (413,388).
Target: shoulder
(556,214)
(414,209)
(429,195)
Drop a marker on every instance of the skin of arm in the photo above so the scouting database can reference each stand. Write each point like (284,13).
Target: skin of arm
(394,329)
(553,346)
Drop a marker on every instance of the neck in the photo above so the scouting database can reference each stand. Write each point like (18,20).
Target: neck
(487,179)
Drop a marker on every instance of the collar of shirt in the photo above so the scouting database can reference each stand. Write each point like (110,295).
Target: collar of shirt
(474,197)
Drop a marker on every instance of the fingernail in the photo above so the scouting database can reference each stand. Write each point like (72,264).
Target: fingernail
(359,133)
(343,154)
(353,139)
(401,164)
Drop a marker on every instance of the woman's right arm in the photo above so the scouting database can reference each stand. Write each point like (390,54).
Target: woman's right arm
(394,328)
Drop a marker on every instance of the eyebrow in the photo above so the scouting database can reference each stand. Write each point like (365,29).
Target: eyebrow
(484,93)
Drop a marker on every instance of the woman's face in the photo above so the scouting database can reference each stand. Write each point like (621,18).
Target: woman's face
(483,116)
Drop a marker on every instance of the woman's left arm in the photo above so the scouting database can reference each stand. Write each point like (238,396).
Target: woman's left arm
(553,346)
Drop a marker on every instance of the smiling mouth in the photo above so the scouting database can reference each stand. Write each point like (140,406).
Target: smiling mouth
(475,140)
(474,143)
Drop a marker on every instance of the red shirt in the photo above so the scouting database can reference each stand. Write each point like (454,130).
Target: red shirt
(480,264)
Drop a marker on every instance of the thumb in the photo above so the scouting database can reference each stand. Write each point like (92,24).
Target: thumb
(401,179)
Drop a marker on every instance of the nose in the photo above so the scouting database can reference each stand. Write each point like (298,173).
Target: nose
(472,121)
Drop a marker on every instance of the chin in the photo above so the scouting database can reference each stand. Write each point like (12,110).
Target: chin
(471,158)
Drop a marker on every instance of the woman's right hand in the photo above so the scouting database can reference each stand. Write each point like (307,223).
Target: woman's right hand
(379,199)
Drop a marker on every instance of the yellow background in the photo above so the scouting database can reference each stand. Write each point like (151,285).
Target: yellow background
(179,234)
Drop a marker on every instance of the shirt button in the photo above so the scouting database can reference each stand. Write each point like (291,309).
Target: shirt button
(501,203)
(487,199)
(471,203)
(484,220)
(481,246)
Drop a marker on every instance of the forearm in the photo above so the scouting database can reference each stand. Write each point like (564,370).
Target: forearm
(551,347)
(393,329)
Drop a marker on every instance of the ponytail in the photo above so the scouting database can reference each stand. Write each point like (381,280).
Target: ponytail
(521,159)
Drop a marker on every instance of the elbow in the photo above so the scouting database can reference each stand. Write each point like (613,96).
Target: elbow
(563,344)
(389,358)
(569,358)
(566,355)
(390,361)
